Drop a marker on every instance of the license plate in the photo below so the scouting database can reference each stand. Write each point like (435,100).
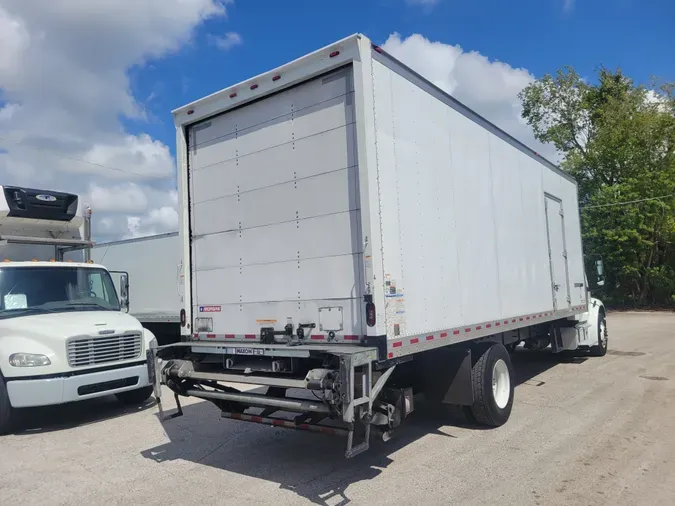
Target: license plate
(248,351)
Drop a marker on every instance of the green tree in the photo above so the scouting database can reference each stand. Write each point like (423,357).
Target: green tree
(618,140)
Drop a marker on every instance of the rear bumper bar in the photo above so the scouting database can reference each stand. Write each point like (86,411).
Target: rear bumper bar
(288,424)
(261,401)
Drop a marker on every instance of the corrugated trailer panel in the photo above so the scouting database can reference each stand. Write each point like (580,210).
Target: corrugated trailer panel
(275,213)
(464,222)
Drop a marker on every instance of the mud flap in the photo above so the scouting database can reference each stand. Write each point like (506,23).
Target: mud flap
(447,376)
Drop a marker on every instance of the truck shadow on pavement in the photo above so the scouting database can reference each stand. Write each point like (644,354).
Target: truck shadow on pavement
(310,465)
(75,414)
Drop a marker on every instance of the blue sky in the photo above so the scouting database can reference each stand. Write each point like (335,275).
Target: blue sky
(86,87)
(538,35)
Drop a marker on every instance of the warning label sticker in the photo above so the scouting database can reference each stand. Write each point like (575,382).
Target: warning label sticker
(209,309)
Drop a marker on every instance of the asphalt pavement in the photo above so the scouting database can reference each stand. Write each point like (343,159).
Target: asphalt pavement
(583,431)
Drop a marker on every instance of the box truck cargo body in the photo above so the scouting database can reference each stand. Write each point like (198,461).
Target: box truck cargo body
(343,220)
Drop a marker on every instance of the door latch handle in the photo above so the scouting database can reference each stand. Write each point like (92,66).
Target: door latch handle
(556,287)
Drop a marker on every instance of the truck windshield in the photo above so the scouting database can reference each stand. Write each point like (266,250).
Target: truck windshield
(36,290)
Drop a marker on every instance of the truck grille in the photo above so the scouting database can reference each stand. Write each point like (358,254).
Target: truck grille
(104,349)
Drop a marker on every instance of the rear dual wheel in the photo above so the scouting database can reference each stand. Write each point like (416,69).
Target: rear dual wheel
(492,381)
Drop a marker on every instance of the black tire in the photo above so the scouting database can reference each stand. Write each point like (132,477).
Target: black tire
(485,409)
(600,350)
(133,397)
(7,414)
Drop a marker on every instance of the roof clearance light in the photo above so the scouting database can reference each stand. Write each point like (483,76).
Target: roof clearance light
(276,78)
(191,111)
(334,54)
(6,260)
(52,260)
(35,259)
(378,49)
(232,95)
(254,86)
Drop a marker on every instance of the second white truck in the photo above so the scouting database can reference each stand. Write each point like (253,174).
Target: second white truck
(64,333)
(353,235)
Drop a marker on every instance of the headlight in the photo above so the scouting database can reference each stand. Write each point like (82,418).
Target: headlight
(204,324)
(28,360)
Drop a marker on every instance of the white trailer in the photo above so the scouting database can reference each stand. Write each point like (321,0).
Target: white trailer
(349,228)
(153,268)
(64,334)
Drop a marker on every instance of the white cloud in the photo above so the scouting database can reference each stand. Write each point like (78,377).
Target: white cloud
(488,87)
(64,85)
(124,198)
(158,221)
(226,42)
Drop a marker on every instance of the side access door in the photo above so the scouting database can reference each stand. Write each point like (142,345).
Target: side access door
(557,252)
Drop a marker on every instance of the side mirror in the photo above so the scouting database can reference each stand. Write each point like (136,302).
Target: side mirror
(124,292)
(121,281)
(600,272)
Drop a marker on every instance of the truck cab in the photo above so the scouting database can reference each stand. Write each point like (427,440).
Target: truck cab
(64,332)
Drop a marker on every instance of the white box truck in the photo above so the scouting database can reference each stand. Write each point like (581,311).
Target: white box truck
(153,265)
(64,335)
(352,231)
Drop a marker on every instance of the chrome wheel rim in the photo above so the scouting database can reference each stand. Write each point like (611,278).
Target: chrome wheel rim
(501,384)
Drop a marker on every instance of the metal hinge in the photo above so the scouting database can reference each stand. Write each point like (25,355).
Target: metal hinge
(569,299)
(561,213)
(564,254)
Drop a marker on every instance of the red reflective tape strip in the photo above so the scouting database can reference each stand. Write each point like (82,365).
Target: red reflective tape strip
(249,336)
(210,336)
(278,423)
(236,416)
(414,340)
(398,344)
(351,338)
(520,320)
(444,334)
(506,322)
(430,338)
(497,324)
(514,320)
(229,336)
(467,330)
(478,327)
(488,326)
(258,419)
(391,355)
(455,332)
(527,318)
(316,338)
